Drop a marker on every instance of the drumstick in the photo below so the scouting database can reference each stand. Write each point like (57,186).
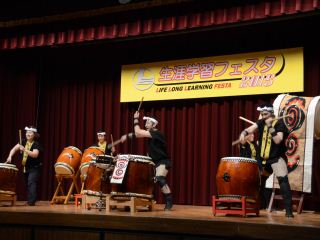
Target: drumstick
(284,116)
(246,120)
(140,104)
(111,143)
(238,141)
(20,139)
(114,143)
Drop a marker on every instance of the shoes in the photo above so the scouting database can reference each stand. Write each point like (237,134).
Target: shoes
(289,213)
(29,204)
(169,203)
(168,206)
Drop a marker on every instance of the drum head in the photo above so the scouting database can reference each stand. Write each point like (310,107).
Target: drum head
(104,161)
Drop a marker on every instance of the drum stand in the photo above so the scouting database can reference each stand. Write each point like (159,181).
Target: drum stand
(8,196)
(101,204)
(247,206)
(295,197)
(131,202)
(60,178)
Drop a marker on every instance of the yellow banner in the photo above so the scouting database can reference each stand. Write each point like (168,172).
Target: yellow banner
(278,71)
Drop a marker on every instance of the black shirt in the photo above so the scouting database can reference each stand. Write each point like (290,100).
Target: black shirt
(158,148)
(245,150)
(33,162)
(276,150)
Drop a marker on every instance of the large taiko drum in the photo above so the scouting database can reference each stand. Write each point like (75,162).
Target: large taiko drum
(237,177)
(97,180)
(89,155)
(8,177)
(138,180)
(69,161)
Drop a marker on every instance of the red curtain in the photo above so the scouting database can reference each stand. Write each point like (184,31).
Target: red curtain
(144,25)
(18,104)
(80,94)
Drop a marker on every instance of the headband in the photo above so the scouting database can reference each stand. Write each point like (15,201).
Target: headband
(155,122)
(30,129)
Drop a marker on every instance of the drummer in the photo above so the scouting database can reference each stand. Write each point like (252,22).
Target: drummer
(31,152)
(157,150)
(272,150)
(103,145)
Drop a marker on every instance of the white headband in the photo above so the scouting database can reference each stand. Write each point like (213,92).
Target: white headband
(101,133)
(155,122)
(265,108)
(31,129)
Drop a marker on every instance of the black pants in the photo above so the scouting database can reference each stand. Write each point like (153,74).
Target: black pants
(31,177)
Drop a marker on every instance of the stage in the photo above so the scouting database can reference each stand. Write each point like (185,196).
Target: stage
(45,221)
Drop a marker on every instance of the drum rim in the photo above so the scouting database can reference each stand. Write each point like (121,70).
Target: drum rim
(133,155)
(240,158)
(64,165)
(140,158)
(130,194)
(109,156)
(94,147)
(93,193)
(9,166)
(74,148)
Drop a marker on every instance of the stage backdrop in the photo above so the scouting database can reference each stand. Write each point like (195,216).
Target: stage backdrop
(304,114)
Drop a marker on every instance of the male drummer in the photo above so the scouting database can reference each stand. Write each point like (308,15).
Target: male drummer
(102,143)
(271,151)
(157,150)
(31,151)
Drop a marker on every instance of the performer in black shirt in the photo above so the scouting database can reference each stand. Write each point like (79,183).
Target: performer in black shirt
(31,150)
(271,151)
(157,150)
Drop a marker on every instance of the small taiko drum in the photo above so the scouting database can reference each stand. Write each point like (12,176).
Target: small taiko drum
(138,180)
(8,177)
(97,180)
(238,177)
(105,162)
(69,161)
(89,155)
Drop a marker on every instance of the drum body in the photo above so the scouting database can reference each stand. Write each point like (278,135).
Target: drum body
(237,177)
(89,154)
(8,177)
(97,180)
(138,180)
(69,160)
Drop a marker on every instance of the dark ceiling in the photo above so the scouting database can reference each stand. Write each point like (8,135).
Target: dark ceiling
(18,9)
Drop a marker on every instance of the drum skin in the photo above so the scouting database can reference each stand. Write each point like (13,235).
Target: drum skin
(89,154)
(138,180)
(68,161)
(8,177)
(237,177)
(94,181)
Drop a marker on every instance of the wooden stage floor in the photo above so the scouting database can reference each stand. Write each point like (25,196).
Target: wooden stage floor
(45,221)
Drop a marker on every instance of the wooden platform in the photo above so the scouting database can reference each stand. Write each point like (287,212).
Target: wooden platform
(45,221)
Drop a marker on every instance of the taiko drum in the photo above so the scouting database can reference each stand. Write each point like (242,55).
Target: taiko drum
(68,161)
(237,177)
